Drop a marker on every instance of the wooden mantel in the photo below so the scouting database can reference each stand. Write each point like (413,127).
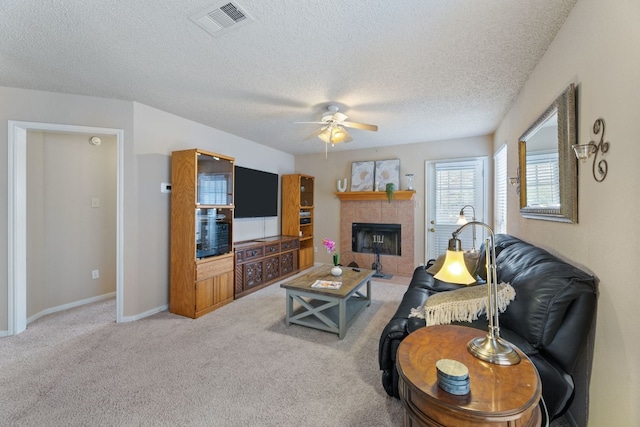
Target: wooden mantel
(375,195)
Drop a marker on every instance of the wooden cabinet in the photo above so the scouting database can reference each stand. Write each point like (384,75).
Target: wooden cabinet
(297,213)
(202,261)
(262,262)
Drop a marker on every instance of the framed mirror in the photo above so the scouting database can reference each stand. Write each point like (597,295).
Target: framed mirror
(547,166)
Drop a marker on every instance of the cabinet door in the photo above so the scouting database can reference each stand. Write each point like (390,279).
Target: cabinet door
(254,274)
(204,294)
(271,268)
(213,291)
(288,262)
(306,257)
(223,288)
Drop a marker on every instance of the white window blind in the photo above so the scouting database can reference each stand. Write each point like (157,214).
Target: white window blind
(500,191)
(457,184)
(543,180)
(455,188)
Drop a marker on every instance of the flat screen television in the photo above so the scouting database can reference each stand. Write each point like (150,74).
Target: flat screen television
(255,193)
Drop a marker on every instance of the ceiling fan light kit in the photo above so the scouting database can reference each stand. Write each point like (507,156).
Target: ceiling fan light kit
(333,127)
(334,135)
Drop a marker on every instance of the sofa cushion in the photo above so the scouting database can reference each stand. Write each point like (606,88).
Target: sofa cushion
(519,257)
(545,293)
(502,241)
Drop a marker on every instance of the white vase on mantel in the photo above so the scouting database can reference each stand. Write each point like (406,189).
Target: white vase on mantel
(342,185)
(336,271)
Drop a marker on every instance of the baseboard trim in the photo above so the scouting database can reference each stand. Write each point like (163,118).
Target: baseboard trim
(145,314)
(70,305)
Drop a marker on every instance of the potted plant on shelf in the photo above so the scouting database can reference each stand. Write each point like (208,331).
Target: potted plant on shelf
(331,249)
(389,190)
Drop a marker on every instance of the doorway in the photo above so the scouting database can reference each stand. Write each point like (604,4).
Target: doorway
(451,185)
(17,233)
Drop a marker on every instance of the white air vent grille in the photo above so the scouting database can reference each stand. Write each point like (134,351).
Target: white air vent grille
(218,19)
(227,15)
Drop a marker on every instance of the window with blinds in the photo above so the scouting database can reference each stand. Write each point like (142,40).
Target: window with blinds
(500,190)
(455,188)
(457,184)
(543,188)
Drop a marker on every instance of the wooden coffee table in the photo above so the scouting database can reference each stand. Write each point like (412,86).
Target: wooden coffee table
(500,395)
(327,309)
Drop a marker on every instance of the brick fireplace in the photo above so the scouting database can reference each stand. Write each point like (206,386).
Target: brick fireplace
(381,212)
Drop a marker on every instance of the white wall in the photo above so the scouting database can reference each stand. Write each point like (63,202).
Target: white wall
(149,137)
(48,107)
(157,134)
(160,133)
(67,237)
(412,157)
(598,49)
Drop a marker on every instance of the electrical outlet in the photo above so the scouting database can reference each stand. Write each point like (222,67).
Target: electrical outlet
(95,202)
(315,249)
(95,274)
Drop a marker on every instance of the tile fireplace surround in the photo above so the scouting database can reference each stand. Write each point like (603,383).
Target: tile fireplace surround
(379,211)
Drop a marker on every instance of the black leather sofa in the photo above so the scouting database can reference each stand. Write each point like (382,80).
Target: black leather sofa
(549,320)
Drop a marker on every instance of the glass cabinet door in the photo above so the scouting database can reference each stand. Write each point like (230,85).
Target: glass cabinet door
(213,232)
(215,181)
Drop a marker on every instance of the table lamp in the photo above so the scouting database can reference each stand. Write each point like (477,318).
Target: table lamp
(490,348)
(463,220)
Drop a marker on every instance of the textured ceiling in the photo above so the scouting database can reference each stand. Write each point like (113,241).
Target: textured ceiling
(420,70)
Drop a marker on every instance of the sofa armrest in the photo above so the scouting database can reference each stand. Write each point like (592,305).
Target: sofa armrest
(415,323)
(393,333)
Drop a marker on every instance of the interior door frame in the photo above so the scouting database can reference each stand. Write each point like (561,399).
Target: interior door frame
(480,214)
(17,216)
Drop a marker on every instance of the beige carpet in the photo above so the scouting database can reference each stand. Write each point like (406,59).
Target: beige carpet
(237,366)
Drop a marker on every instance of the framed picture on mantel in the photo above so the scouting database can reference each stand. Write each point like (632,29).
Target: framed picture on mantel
(362,176)
(387,171)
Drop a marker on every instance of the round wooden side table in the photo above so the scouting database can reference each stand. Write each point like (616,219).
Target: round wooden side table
(499,396)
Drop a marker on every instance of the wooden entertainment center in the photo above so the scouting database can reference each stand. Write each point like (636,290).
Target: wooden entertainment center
(209,269)
(201,277)
(297,213)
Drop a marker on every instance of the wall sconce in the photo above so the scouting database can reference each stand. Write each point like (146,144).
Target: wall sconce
(515,181)
(584,151)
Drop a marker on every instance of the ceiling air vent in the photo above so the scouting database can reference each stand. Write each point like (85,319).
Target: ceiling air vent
(221,18)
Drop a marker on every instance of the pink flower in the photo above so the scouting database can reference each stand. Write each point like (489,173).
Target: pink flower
(330,245)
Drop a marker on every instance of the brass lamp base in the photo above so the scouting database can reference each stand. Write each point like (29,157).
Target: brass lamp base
(493,350)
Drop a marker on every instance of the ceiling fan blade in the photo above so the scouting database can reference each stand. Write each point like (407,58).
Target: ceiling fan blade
(339,117)
(362,126)
(316,133)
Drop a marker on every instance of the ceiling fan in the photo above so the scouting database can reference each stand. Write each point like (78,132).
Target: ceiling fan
(333,127)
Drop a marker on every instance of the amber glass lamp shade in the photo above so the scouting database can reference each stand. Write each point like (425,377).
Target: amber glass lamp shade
(454,270)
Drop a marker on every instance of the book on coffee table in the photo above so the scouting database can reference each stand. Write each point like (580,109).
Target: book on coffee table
(326,284)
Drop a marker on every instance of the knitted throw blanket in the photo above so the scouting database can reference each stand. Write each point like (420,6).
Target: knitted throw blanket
(461,305)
